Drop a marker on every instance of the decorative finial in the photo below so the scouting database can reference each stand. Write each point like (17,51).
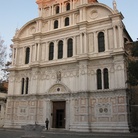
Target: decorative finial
(114,5)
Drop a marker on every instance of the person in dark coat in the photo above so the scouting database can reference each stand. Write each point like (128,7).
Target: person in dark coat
(47,122)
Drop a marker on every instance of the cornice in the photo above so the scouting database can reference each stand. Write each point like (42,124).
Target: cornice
(97,93)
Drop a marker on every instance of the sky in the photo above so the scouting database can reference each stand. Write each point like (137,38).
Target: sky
(15,13)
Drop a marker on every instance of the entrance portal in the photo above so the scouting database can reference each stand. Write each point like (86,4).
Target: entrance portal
(59,114)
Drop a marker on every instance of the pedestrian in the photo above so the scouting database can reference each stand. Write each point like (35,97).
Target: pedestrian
(47,122)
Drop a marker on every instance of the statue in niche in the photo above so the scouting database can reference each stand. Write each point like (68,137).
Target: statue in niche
(58,76)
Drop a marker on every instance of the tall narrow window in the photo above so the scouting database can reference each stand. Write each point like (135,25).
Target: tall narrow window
(51,51)
(55,24)
(99,79)
(106,79)
(27,56)
(22,92)
(67,6)
(27,85)
(101,44)
(57,9)
(60,49)
(67,21)
(70,48)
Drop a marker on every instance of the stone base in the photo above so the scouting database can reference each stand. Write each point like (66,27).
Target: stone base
(101,127)
(33,131)
(32,137)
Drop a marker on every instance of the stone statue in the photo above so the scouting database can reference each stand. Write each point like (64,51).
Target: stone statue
(58,76)
(114,5)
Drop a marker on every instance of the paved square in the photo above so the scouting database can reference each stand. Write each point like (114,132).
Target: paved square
(55,134)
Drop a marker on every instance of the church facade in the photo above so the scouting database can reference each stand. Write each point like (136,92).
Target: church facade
(69,65)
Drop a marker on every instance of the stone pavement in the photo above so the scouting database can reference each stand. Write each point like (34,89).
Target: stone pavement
(14,133)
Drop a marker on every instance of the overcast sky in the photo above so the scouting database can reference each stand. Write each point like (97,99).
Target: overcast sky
(15,13)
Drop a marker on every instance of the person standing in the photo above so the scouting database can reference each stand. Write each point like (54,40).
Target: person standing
(47,122)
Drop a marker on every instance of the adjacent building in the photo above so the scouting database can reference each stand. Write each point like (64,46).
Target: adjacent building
(69,65)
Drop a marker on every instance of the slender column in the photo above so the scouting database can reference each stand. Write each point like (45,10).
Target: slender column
(63,7)
(74,46)
(38,52)
(115,40)
(16,56)
(47,51)
(70,19)
(84,14)
(13,58)
(24,54)
(52,10)
(65,48)
(35,53)
(81,14)
(73,18)
(48,25)
(106,40)
(73,4)
(30,59)
(102,79)
(51,25)
(85,43)
(60,7)
(62,22)
(59,22)
(120,36)
(95,43)
(55,50)
(49,10)
(81,43)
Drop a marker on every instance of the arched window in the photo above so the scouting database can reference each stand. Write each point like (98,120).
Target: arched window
(101,44)
(67,21)
(106,79)
(51,51)
(67,6)
(57,9)
(70,48)
(99,79)
(60,49)
(27,55)
(22,92)
(55,24)
(27,85)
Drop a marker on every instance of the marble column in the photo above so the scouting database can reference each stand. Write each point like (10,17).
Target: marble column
(115,40)
(55,50)
(85,43)
(106,40)
(120,31)
(47,51)
(65,48)
(81,50)
(30,59)
(74,46)
(95,43)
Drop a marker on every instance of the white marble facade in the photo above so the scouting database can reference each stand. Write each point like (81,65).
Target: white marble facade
(70,79)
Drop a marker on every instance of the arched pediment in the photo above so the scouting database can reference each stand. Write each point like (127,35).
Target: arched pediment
(27,30)
(98,10)
(58,88)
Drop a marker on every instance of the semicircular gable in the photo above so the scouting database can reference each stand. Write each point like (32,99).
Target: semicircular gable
(97,11)
(58,88)
(27,30)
